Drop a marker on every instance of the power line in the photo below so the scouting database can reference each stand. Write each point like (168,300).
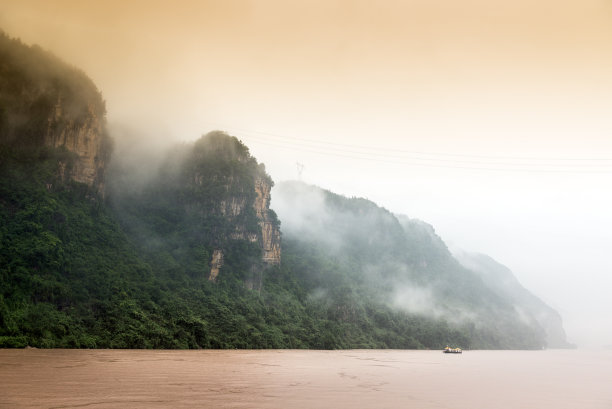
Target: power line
(431,165)
(369,149)
(353,152)
(433,159)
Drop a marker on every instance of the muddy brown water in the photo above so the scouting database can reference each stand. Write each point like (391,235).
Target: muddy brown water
(353,379)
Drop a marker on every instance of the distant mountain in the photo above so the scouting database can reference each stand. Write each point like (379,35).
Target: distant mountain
(103,249)
(533,310)
(402,264)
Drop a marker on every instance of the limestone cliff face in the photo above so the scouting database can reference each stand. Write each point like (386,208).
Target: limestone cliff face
(268,237)
(230,191)
(215,264)
(84,136)
(270,233)
(46,102)
(232,207)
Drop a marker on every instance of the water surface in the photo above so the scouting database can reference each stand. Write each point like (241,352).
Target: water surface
(305,379)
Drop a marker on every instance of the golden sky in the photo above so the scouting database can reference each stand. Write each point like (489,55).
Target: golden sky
(493,91)
(444,69)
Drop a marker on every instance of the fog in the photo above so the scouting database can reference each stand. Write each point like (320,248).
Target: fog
(488,119)
(400,263)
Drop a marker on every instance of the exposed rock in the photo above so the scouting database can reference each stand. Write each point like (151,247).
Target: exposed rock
(268,239)
(233,207)
(230,190)
(46,102)
(262,200)
(240,234)
(215,264)
(270,234)
(86,138)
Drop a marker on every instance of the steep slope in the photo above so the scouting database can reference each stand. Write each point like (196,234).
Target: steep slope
(185,252)
(45,102)
(68,274)
(208,204)
(501,280)
(397,263)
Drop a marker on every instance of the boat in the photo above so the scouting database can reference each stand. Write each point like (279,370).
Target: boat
(449,350)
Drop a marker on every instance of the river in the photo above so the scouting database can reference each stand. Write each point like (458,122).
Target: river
(92,379)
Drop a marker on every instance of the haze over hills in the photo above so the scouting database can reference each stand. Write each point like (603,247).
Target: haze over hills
(404,262)
(531,309)
(488,119)
(94,255)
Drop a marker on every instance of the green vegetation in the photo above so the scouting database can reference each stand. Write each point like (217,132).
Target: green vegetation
(131,269)
(363,263)
(75,275)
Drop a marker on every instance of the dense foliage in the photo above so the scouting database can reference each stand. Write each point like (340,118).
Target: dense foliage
(363,261)
(131,270)
(72,277)
(200,200)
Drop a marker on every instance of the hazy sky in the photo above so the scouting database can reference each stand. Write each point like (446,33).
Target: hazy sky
(490,119)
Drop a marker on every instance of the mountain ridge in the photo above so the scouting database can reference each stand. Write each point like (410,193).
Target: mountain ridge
(94,255)
(501,279)
(415,258)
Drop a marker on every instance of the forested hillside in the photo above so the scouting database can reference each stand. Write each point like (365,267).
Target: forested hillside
(399,266)
(92,255)
(501,280)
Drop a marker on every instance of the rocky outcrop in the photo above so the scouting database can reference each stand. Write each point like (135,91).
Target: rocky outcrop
(215,264)
(229,192)
(269,237)
(271,243)
(270,233)
(84,136)
(46,102)
(232,207)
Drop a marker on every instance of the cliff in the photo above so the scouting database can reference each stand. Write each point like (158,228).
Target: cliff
(501,280)
(353,254)
(268,236)
(85,137)
(208,208)
(243,192)
(46,102)
(169,259)
(270,233)
(134,270)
